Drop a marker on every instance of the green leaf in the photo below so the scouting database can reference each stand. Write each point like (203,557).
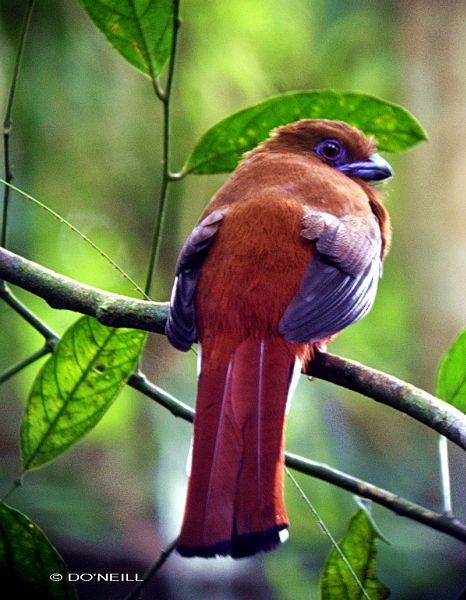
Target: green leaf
(141,30)
(451,375)
(27,560)
(359,547)
(75,388)
(222,146)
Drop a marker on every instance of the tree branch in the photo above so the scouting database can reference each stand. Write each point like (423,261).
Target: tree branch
(123,311)
(63,292)
(394,392)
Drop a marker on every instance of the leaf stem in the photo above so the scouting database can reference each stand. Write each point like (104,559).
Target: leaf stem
(177,176)
(7,119)
(167,177)
(158,91)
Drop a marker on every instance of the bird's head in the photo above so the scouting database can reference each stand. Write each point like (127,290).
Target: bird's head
(334,143)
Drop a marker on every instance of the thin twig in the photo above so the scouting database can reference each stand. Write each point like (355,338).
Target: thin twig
(166,175)
(22,364)
(139,382)
(164,555)
(7,295)
(7,119)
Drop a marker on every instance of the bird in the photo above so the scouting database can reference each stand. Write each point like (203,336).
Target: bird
(286,255)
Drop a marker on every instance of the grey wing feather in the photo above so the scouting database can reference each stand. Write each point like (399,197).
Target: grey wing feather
(181,323)
(339,286)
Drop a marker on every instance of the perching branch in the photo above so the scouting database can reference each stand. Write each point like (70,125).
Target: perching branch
(63,292)
(122,311)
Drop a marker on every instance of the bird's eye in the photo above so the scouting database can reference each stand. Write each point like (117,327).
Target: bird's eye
(331,150)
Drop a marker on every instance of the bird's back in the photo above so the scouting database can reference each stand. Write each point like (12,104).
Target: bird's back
(256,262)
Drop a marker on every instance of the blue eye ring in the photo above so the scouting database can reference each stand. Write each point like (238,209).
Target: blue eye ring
(332,151)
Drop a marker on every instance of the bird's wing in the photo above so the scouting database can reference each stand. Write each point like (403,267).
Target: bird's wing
(340,283)
(181,325)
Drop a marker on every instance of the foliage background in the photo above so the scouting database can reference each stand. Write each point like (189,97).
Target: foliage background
(87,141)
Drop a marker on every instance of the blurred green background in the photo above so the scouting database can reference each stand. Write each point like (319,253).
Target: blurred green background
(86,141)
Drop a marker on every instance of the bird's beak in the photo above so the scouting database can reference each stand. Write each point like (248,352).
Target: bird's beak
(375,168)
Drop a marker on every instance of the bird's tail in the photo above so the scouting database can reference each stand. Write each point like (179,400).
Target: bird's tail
(235,502)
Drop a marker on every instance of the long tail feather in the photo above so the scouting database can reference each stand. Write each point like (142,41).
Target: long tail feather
(235,497)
